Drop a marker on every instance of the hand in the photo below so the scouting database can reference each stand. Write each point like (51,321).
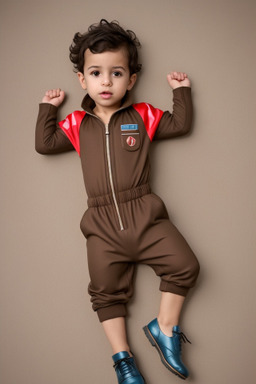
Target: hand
(178,79)
(54,97)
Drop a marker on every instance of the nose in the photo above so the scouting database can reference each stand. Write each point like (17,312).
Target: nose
(106,80)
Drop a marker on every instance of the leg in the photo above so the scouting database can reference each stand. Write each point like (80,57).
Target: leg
(124,363)
(115,330)
(169,312)
(175,263)
(164,333)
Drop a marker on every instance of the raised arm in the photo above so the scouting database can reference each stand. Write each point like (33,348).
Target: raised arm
(178,122)
(49,137)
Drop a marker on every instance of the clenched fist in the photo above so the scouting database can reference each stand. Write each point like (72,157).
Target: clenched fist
(54,97)
(178,79)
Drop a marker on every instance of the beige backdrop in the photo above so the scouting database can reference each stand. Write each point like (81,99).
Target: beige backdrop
(49,334)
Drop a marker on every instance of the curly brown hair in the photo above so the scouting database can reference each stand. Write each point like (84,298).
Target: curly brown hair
(103,37)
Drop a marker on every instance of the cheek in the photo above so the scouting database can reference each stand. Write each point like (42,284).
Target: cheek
(89,84)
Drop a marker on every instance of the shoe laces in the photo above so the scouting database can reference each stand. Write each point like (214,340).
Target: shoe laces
(182,337)
(125,365)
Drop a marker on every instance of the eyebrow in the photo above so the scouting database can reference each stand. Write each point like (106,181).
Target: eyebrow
(98,66)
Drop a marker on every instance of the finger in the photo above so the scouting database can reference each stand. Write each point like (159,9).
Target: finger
(58,90)
(177,76)
(170,77)
(52,93)
(62,95)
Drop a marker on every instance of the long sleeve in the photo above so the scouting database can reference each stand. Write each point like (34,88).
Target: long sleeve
(49,138)
(179,122)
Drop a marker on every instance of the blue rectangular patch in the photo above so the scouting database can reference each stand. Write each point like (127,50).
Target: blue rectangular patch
(129,127)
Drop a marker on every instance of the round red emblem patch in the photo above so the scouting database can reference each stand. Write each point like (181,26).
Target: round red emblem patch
(131,141)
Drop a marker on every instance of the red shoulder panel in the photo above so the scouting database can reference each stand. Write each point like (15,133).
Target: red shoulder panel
(151,117)
(71,126)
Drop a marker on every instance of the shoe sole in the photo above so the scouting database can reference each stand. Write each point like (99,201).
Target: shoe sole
(153,342)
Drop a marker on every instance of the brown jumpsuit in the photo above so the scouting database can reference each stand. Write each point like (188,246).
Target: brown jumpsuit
(125,222)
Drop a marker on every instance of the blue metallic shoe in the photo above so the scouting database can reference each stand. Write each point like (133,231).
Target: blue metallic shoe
(126,370)
(169,348)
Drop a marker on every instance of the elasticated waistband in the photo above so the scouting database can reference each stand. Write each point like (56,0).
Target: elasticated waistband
(122,197)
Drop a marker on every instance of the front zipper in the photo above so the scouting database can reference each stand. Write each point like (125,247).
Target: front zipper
(111,177)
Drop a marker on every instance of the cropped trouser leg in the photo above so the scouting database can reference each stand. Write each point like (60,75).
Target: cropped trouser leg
(111,285)
(171,258)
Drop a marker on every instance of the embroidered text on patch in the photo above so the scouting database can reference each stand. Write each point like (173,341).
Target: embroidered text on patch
(129,127)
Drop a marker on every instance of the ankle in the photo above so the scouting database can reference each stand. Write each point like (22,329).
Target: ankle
(166,325)
(124,349)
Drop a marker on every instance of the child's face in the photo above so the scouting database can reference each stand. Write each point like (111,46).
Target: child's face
(106,78)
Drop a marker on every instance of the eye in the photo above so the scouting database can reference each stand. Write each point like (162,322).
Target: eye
(95,73)
(117,74)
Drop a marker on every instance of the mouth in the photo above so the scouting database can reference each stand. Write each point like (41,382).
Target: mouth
(105,94)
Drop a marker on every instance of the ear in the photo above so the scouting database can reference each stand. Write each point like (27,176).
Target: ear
(132,81)
(81,79)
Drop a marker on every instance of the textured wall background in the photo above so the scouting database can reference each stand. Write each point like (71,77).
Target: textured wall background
(48,332)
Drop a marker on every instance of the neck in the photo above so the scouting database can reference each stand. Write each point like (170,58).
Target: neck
(105,113)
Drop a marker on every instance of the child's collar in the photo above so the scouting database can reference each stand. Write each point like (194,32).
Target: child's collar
(88,104)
